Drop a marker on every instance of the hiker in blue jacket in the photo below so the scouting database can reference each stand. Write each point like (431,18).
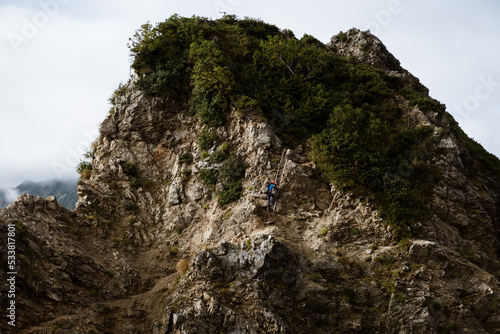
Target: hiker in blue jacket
(271,198)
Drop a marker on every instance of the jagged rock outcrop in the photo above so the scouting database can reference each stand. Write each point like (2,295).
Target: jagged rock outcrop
(368,49)
(149,249)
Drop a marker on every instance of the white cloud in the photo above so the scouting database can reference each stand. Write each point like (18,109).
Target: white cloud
(56,87)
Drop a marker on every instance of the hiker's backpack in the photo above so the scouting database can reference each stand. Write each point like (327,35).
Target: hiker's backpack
(266,186)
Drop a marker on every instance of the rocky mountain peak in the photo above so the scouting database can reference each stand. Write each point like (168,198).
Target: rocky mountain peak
(386,217)
(368,48)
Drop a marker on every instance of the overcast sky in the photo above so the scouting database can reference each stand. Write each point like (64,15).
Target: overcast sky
(62,59)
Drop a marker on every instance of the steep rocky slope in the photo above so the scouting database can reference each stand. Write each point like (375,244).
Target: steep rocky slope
(151,249)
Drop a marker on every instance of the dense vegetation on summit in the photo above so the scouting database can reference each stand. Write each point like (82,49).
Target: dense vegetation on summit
(344,109)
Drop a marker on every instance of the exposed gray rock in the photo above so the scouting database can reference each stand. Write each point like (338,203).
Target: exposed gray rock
(367,48)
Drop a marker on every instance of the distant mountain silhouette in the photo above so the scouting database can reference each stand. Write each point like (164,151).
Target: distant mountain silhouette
(63,190)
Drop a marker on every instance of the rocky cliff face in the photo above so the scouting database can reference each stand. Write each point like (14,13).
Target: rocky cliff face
(150,249)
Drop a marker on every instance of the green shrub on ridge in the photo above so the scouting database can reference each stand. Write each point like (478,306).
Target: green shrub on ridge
(311,95)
